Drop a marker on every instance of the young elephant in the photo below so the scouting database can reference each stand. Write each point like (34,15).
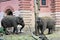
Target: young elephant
(44,23)
(12,21)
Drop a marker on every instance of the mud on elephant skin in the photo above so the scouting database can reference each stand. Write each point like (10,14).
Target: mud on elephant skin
(12,21)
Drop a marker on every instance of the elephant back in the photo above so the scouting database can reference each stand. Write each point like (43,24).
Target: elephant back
(48,22)
(7,21)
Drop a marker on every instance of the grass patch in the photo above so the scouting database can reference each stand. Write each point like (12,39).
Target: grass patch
(18,37)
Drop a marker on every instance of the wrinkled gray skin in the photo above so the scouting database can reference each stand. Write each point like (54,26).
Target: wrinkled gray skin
(12,21)
(43,24)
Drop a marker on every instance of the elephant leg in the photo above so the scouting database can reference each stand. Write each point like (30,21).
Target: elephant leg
(15,27)
(21,28)
(49,31)
(15,30)
(38,30)
(42,31)
(6,32)
(4,29)
(52,30)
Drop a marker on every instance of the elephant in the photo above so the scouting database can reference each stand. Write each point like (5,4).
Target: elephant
(12,21)
(45,23)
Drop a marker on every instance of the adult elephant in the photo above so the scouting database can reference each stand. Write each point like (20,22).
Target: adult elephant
(12,21)
(44,23)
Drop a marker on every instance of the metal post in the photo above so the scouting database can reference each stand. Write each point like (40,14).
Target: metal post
(36,11)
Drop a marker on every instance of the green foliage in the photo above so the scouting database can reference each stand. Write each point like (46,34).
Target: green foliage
(1,30)
(18,37)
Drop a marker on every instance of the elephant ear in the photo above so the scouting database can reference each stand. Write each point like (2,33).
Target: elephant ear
(20,19)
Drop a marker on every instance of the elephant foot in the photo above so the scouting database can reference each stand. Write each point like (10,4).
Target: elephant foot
(14,32)
(49,33)
(37,34)
(21,31)
(7,33)
(17,33)
(42,33)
